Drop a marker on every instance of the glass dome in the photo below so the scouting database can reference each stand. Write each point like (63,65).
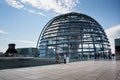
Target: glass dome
(73,34)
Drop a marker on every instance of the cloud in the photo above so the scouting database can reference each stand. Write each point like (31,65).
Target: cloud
(113,33)
(2,32)
(58,6)
(25,41)
(34,12)
(15,4)
(20,43)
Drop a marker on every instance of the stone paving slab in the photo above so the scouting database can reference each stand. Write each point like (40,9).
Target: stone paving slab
(83,70)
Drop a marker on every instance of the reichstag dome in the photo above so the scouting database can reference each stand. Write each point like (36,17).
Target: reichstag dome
(74,34)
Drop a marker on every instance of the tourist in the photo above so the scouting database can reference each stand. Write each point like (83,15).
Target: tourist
(59,58)
(64,58)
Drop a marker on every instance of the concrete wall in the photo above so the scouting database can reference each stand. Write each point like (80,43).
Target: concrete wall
(17,62)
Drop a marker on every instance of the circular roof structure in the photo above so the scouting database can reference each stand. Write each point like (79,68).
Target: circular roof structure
(73,33)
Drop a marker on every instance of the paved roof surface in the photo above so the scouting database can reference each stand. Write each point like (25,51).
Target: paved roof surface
(83,70)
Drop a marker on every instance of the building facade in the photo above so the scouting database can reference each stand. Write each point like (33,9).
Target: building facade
(73,34)
(27,52)
(117,49)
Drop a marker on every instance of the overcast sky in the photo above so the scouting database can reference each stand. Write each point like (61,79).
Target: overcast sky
(21,21)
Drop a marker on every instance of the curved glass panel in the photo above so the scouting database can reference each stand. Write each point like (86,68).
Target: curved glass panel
(73,34)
